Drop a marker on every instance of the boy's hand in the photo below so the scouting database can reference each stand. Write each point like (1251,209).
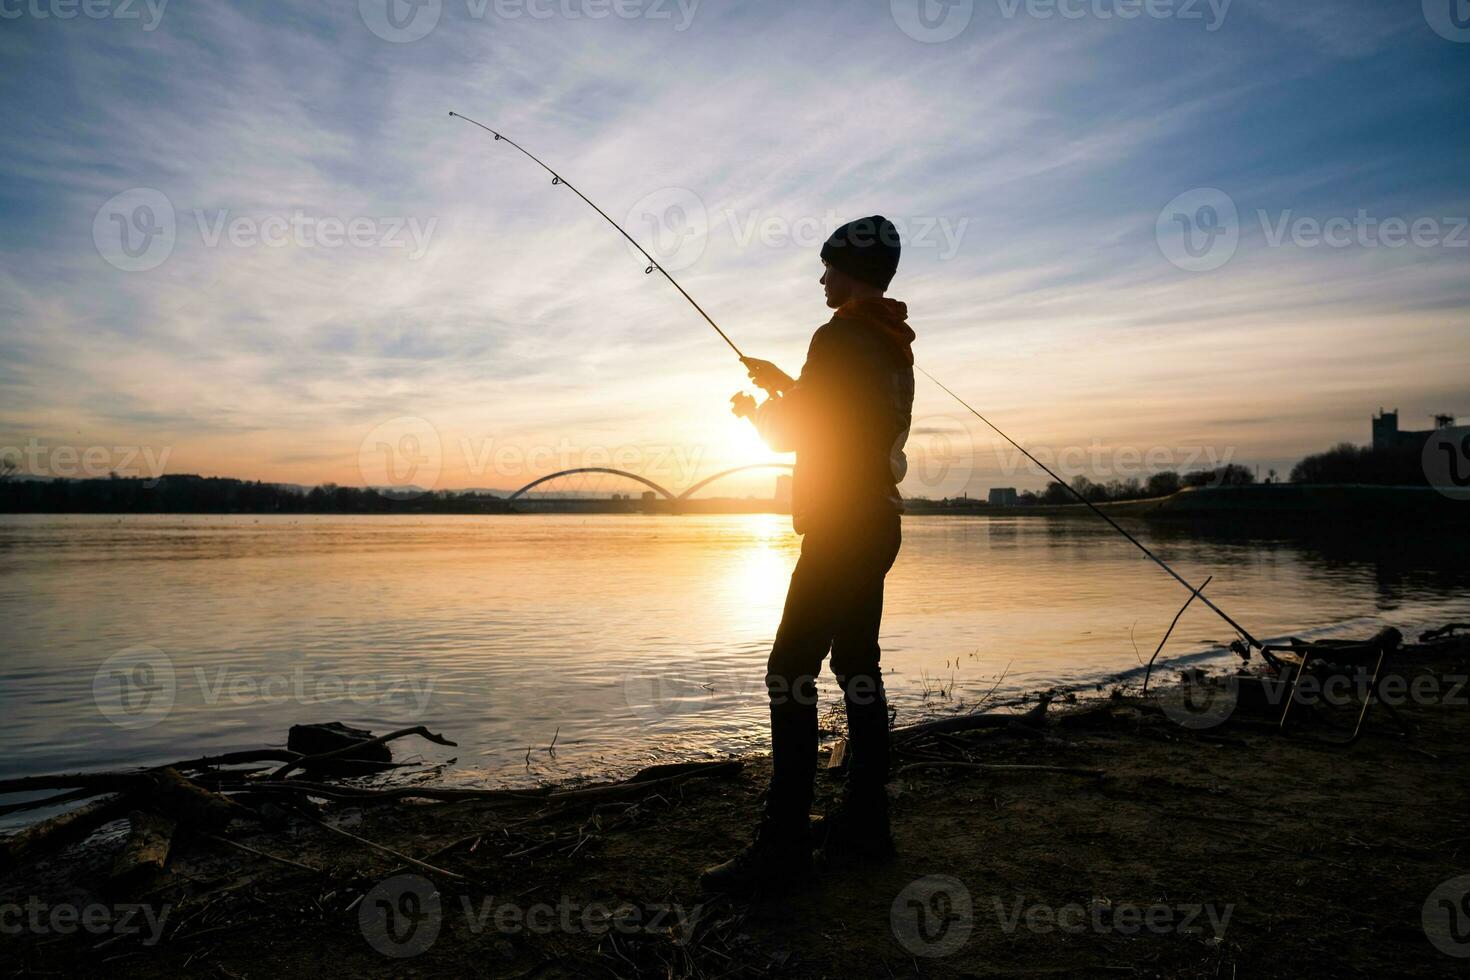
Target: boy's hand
(766,375)
(742,405)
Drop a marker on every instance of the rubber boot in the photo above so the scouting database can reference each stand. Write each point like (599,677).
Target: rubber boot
(780,857)
(857,829)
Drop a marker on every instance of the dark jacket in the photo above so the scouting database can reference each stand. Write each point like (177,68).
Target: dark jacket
(847,417)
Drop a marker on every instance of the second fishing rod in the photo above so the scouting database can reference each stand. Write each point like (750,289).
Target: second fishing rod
(655,266)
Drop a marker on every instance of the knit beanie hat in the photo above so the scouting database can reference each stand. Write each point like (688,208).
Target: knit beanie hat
(866,249)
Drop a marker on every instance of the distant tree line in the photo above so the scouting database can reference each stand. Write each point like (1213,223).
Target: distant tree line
(1347,463)
(1157,485)
(185,494)
(219,495)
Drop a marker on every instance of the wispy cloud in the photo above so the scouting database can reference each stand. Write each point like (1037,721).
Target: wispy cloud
(1029,157)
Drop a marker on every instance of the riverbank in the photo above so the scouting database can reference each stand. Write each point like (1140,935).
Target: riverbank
(1200,852)
(1277,506)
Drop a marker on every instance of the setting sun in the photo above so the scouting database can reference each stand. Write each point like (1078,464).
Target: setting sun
(742,445)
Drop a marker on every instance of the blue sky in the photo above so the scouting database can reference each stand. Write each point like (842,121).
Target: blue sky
(1036,161)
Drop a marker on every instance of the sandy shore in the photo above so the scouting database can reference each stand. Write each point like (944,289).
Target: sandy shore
(1212,850)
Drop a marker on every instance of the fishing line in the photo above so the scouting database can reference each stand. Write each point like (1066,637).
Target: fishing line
(557,178)
(653,264)
(1098,511)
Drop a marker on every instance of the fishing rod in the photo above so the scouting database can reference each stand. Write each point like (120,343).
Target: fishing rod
(653,264)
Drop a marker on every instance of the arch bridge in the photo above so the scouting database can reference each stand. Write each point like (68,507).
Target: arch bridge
(656,488)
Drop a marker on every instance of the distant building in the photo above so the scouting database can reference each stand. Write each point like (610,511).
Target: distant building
(1387,435)
(1002,496)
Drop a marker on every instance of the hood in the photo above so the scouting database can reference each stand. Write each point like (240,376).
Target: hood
(889,316)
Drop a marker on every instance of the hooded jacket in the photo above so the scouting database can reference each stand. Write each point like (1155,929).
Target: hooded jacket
(847,417)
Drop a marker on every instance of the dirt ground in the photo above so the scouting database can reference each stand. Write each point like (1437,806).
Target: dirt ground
(1205,850)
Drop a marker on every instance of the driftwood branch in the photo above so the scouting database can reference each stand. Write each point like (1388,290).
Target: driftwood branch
(271,857)
(102,782)
(625,789)
(308,761)
(1449,629)
(1035,718)
(193,806)
(236,759)
(117,782)
(328,791)
(57,800)
(988,767)
(62,829)
(415,862)
(146,852)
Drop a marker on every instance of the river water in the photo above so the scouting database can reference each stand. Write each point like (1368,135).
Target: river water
(555,646)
